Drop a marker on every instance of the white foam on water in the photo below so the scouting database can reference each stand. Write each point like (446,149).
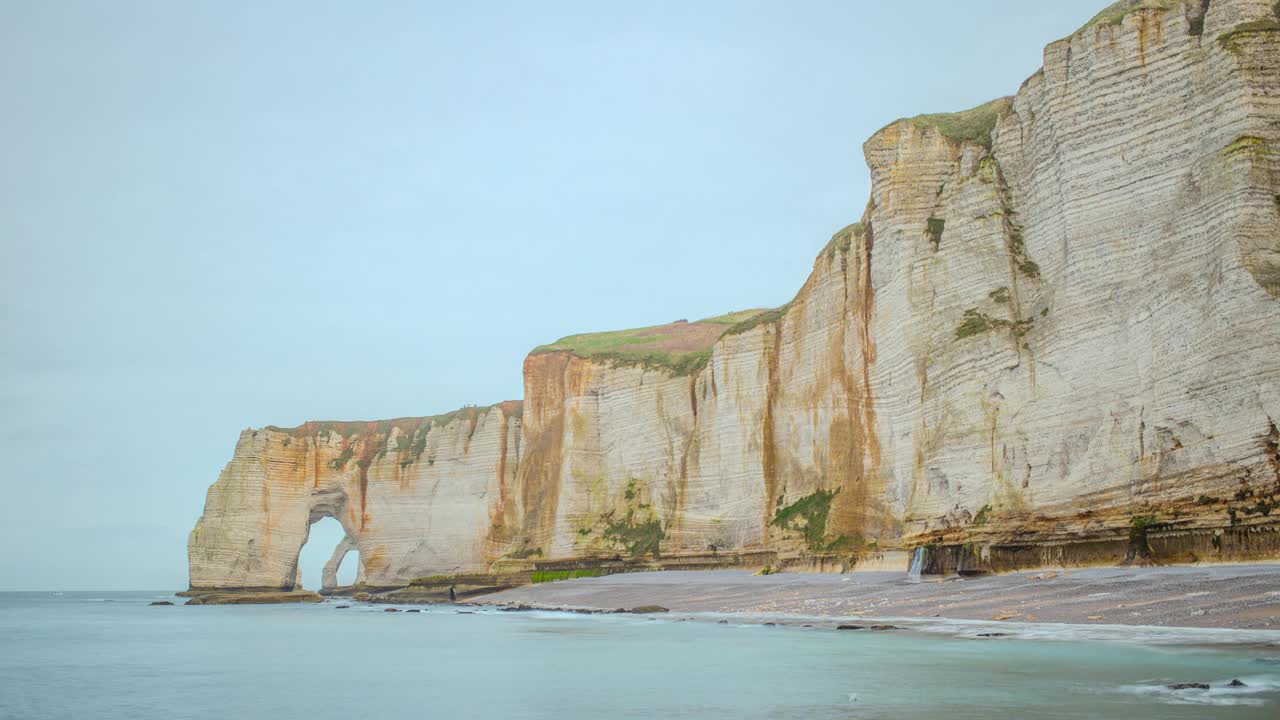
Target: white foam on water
(1219,693)
(1141,634)
(1012,630)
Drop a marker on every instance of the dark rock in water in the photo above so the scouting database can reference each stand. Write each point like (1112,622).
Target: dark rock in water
(770,624)
(1236,683)
(851,627)
(161,602)
(238,597)
(465,612)
(341,607)
(584,611)
(392,610)
(648,610)
(884,628)
(414,610)
(993,634)
(1188,686)
(723,622)
(520,607)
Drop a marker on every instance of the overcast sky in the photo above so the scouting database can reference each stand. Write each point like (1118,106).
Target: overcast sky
(217,215)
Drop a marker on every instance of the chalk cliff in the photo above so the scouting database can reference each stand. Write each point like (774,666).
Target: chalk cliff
(415,496)
(1053,337)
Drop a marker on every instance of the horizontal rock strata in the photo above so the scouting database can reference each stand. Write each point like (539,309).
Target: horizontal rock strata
(1051,339)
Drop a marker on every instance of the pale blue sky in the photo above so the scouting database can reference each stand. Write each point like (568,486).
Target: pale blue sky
(217,215)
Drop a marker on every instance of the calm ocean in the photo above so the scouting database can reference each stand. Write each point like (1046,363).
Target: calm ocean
(110,655)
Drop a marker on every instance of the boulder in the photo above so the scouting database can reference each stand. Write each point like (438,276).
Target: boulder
(647,610)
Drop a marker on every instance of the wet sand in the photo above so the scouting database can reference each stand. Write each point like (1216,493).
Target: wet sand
(1218,596)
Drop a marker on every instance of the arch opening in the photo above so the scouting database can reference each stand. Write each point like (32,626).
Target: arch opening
(329,558)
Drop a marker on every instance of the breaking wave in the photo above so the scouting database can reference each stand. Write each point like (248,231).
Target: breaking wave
(1254,692)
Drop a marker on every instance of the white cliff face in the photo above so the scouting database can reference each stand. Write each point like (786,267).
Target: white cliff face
(1133,367)
(415,496)
(1057,320)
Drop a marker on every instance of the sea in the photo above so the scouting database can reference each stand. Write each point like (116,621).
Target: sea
(106,655)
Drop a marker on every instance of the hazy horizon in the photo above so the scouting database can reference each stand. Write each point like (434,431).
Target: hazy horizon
(223,216)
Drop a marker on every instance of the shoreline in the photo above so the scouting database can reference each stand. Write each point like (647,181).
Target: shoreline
(1239,597)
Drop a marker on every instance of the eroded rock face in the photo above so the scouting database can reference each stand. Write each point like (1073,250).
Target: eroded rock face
(415,496)
(1093,338)
(1056,323)
(329,575)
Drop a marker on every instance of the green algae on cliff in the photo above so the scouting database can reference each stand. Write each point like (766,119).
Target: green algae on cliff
(977,322)
(1229,40)
(807,516)
(347,452)
(982,516)
(544,576)
(524,552)
(933,230)
(638,538)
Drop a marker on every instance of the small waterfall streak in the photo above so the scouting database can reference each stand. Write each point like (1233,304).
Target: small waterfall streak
(917,565)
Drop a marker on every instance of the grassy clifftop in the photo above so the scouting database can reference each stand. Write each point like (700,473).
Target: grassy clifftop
(681,347)
(407,425)
(973,125)
(1115,13)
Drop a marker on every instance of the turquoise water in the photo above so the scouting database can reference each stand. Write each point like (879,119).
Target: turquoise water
(110,655)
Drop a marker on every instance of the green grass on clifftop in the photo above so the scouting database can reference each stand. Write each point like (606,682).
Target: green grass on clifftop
(764,318)
(969,125)
(732,318)
(409,426)
(680,348)
(1115,13)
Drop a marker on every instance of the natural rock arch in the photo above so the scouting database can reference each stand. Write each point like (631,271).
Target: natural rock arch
(417,497)
(329,573)
(329,577)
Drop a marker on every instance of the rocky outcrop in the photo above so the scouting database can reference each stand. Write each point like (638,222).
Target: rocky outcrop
(329,575)
(1051,338)
(253,598)
(415,496)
